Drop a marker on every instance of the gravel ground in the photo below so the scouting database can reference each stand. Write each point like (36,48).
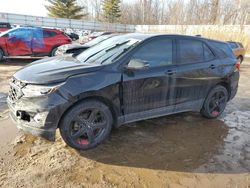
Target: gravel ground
(183,150)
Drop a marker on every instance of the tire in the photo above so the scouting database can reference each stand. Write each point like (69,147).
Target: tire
(53,52)
(1,55)
(86,125)
(240,58)
(215,103)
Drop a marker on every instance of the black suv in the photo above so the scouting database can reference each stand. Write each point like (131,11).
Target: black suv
(123,79)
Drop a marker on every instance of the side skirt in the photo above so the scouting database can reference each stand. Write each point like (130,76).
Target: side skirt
(158,112)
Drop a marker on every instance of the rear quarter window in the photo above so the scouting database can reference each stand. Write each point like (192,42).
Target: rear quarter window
(193,51)
(222,49)
(49,33)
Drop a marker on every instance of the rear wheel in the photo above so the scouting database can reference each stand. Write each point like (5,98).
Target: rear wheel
(215,102)
(86,125)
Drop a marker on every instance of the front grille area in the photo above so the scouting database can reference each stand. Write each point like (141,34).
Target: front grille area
(15,92)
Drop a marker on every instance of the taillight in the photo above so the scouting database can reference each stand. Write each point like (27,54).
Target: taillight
(237,65)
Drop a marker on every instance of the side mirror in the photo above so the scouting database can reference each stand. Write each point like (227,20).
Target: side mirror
(135,64)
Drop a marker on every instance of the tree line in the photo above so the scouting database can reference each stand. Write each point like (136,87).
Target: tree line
(151,12)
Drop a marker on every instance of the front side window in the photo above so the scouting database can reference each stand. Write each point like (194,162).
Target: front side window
(192,51)
(21,34)
(158,52)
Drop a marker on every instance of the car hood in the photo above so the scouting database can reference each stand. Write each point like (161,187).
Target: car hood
(72,46)
(55,69)
(76,46)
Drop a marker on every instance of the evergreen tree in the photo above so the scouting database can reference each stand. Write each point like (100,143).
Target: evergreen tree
(111,10)
(65,9)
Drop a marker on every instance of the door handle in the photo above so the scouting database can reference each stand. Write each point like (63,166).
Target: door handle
(170,72)
(212,66)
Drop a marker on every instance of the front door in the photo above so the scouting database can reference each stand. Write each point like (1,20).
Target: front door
(19,42)
(149,88)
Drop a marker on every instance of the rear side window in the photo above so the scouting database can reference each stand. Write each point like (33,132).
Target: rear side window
(192,51)
(222,49)
(48,33)
(158,52)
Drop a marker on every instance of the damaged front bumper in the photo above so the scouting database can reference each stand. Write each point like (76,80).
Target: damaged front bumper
(38,116)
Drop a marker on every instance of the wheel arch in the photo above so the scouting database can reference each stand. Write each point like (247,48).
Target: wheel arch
(53,47)
(101,99)
(4,52)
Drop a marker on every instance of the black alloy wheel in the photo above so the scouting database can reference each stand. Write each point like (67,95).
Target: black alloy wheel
(86,125)
(215,102)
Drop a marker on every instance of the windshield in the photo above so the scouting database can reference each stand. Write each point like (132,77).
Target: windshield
(108,51)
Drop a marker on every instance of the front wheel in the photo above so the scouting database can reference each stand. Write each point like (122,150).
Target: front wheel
(53,52)
(86,125)
(215,102)
(1,54)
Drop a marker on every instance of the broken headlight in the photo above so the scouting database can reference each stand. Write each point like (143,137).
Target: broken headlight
(61,50)
(39,90)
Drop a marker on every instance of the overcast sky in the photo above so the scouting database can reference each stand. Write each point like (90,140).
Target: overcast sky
(28,7)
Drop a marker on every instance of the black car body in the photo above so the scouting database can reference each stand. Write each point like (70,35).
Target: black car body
(136,76)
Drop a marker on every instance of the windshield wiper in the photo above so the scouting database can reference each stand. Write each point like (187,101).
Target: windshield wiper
(119,55)
(115,46)
(92,56)
(105,51)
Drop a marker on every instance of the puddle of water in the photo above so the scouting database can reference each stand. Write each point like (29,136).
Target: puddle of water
(235,154)
(178,143)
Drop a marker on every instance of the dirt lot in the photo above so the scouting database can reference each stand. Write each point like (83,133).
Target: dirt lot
(183,150)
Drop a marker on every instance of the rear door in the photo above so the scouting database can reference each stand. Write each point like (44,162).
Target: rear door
(198,69)
(43,41)
(150,88)
(19,42)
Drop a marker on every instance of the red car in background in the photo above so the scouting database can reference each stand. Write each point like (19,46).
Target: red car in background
(4,26)
(31,41)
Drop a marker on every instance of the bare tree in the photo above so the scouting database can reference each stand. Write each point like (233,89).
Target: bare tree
(181,12)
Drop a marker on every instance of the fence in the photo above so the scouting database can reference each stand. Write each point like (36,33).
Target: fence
(221,32)
(63,23)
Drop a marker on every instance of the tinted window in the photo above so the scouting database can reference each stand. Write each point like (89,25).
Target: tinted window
(208,54)
(192,51)
(156,53)
(48,33)
(222,49)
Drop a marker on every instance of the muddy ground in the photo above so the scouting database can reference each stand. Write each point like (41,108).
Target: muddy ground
(183,150)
